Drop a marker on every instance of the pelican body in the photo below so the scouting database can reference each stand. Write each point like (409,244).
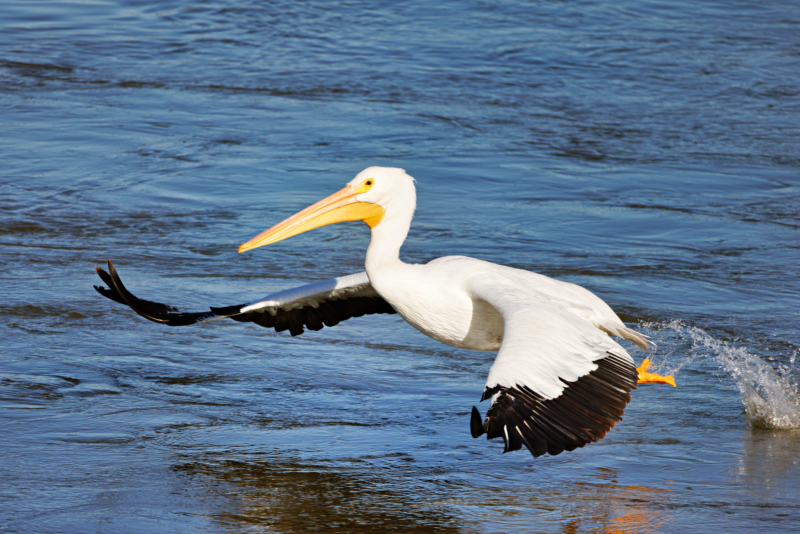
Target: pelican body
(560,380)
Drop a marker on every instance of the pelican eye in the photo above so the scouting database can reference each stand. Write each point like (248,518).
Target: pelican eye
(368,182)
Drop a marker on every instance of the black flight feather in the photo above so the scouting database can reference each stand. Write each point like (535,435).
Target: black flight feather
(329,313)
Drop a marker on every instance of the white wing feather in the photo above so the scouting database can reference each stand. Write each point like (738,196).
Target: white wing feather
(352,285)
(544,341)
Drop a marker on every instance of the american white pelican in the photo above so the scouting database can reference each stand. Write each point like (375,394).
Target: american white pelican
(559,381)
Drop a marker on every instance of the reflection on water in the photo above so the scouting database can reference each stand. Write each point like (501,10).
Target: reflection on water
(369,494)
(770,463)
(351,496)
(598,502)
(645,150)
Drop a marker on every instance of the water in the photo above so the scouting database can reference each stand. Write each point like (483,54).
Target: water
(645,150)
(769,395)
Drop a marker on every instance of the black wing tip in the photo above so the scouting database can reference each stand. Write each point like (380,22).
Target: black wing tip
(327,313)
(153,311)
(476,423)
(227,311)
(584,412)
(109,294)
(488,392)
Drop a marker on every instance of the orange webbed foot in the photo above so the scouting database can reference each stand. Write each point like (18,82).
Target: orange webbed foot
(645,377)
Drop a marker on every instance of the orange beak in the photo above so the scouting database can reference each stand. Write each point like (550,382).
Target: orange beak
(341,206)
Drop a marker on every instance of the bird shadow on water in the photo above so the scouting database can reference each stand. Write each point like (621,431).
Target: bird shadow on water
(257,491)
(279,494)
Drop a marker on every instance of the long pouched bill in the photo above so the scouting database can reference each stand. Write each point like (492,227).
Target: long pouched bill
(341,206)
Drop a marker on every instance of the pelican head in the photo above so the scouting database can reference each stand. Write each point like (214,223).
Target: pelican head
(367,197)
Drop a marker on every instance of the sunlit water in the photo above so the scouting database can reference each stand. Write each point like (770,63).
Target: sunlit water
(769,394)
(646,151)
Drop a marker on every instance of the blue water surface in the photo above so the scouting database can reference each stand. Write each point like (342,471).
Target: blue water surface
(645,150)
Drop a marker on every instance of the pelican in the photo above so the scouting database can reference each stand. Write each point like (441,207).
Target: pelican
(559,381)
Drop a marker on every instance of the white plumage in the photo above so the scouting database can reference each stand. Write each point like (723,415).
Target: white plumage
(343,287)
(559,381)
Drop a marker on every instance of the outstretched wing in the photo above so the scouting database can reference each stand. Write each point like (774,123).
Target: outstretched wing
(558,383)
(325,303)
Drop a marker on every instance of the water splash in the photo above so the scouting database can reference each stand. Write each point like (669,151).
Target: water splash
(771,398)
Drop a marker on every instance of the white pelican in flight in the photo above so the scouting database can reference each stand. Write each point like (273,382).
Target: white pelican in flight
(559,381)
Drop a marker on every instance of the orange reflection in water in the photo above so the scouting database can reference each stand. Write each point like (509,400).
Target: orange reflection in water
(603,504)
(638,520)
(388,493)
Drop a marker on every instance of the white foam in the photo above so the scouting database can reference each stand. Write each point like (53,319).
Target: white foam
(770,396)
